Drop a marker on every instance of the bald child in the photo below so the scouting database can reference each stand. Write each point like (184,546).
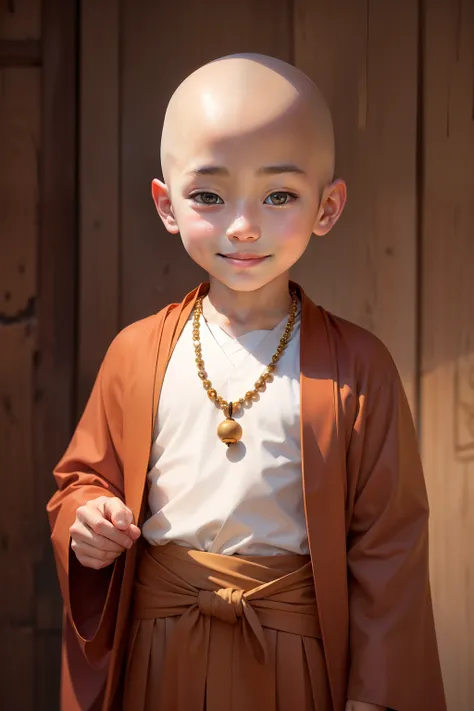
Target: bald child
(241,518)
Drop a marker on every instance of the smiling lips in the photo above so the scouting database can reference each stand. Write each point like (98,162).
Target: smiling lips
(244,259)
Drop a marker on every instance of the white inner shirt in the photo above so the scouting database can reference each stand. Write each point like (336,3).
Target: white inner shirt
(247,498)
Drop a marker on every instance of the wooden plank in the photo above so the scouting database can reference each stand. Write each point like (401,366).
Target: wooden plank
(447,386)
(17,534)
(24,53)
(16,678)
(19,139)
(99,241)
(19,148)
(48,661)
(363,56)
(162,43)
(20,19)
(55,360)
(16,529)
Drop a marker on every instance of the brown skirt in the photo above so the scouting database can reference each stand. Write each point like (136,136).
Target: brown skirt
(224,633)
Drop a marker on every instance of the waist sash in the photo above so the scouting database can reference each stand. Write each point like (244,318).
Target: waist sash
(221,605)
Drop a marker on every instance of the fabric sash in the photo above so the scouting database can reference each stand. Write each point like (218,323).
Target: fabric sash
(221,605)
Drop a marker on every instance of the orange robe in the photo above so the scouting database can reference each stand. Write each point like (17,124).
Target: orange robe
(224,633)
(365,503)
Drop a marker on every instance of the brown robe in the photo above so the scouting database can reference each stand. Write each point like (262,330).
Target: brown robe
(224,633)
(365,502)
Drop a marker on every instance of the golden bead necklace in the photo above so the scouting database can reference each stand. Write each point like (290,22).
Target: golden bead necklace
(230,431)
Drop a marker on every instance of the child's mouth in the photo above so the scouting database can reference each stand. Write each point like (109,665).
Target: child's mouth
(244,259)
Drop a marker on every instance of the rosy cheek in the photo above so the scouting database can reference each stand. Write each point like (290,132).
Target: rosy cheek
(197,228)
(287,227)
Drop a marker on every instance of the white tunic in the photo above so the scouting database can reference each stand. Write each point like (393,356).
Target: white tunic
(243,499)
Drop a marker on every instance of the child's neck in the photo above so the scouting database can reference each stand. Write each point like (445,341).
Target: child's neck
(238,312)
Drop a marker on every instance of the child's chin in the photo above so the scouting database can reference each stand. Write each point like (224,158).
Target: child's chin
(244,281)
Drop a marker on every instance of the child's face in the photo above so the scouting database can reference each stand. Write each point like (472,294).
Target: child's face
(246,195)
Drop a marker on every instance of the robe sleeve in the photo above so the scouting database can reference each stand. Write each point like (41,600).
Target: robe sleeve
(393,649)
(91,467)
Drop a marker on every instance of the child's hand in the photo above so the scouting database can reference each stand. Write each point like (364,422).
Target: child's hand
(361,706)
(103,529)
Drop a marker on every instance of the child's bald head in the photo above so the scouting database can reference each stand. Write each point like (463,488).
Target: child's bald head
(248,160)
(249,98)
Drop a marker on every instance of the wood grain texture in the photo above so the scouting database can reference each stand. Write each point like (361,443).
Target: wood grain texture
(54,361)
(19,148)
(20,19)
(363,56)
(17,529)
(447,386)
(20,53)
(57,268)
(47,665)
(162,43)
(99,238)
(17,672)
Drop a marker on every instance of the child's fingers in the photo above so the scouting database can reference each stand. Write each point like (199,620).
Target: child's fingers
(117,513)
(84,534)
(84,550)
(134,532)
(94,520)
(105,544)
(94,563)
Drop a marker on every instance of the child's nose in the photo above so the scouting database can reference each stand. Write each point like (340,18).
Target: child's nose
(243,229)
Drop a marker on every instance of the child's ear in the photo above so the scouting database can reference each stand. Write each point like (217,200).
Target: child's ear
(163,205)
(332,205)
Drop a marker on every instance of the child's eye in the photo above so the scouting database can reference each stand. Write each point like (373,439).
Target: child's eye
(207,199)
(281,197)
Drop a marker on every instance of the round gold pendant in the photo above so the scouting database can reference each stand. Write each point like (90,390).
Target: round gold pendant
(229,431)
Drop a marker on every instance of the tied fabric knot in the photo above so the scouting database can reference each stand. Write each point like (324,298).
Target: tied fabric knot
(230,605)
(224,604)
(208,662)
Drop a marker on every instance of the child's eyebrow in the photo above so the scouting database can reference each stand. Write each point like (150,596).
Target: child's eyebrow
(284,168)
(219,170)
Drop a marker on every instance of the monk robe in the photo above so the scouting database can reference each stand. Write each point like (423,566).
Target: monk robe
(365,505)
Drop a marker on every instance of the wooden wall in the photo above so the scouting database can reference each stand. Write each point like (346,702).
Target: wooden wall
(129,70)
(399,77)
(447,330)
(37,330)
